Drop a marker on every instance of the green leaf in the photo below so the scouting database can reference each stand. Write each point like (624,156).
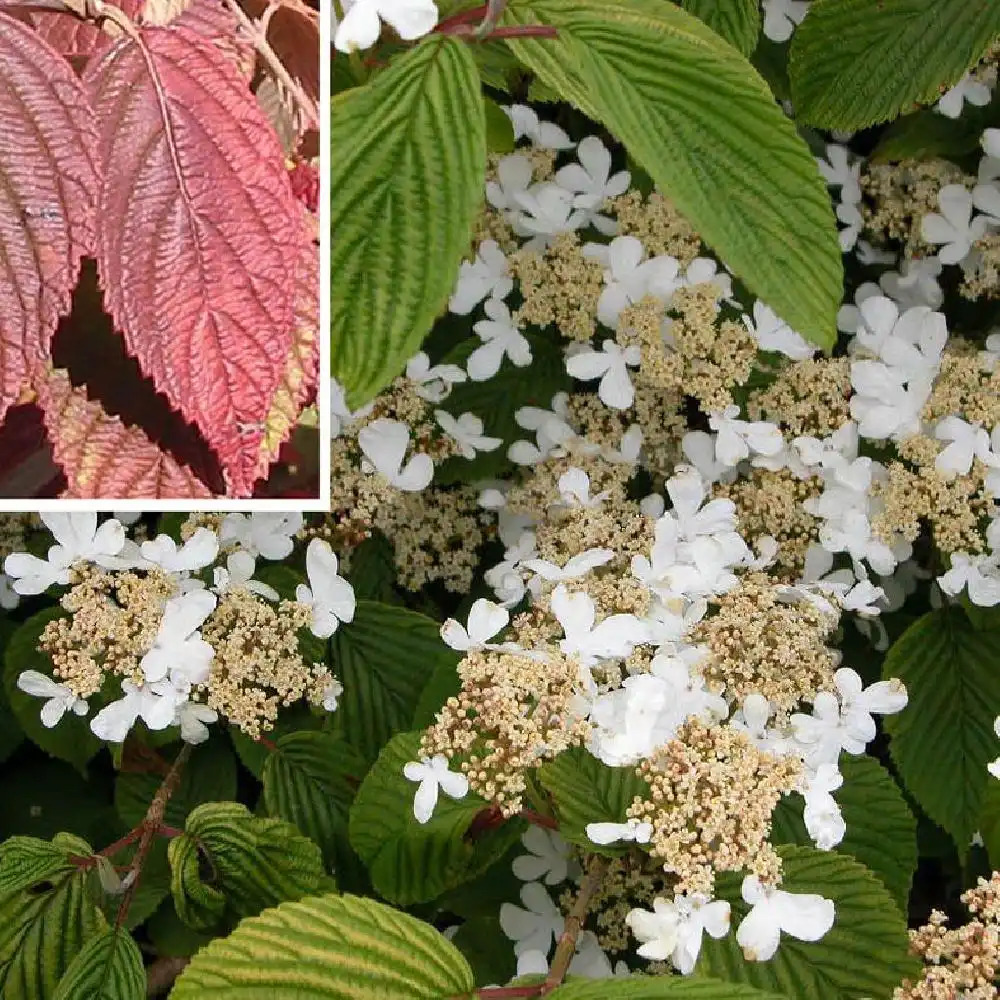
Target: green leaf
(172,937)
(407,180)
(209,776)
(310,781)
(927,135)
(108,967)
(246,861)
(587,791)
(737,21)
(44,922)
(411,862)
(383,658)
(71,740)
(477,940)
(666,987)
(444,684)
(989,822)
(372,571)
(499,129)
(253,754)
(329,948)
(10,732)
(699,119)
(858,62)
(881,830)
(943,739)
(496,400)
(864,954)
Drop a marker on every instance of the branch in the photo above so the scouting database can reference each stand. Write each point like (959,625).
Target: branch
(258,34)
(150,826)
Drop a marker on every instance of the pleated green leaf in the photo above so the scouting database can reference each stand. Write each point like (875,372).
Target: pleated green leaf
(698,118)
(666,987)
(881,830)
(858,62)
(251,862)
(383,658)
(737,21)
(864,954)
(943,739)
(328,948)
(108,967)
(310,780)
(411,862)
(586,791)
(407,175)
(48,911)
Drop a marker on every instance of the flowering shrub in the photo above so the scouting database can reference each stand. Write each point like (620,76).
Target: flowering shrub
(158,227)
(649,648)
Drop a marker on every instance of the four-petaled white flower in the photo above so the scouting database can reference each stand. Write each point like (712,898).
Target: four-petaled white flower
(384,443)
(196,553)
(486,619)
(549,857)
(329,595)
(194,719)
(156,704)
(592,183)
(237,574)
(968,89)
(629,277)
(433,382)
(968,442)
(500,338)
(673,931)
(486,277)
(543,135)
(806,916)
(432,773)
(179,651)
(467,433)
(616,636)
(362,21)
(268,535)
(953,228)
(60,698)
(610,365)
(737,439)
(574,490)
(979,573)
(533,928)
(774,334)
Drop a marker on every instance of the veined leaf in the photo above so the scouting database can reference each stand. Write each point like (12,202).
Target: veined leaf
(943,739)
(587,791)
(48,197)
(737,21)
(864,954)
(881,830)
(696,116)
(408,165)
(108,967)
(412,862)
(383,658)
(329,948)
(201,235)
(662,988)
(858,62)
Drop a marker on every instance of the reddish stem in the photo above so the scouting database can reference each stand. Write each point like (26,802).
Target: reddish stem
(462,17)
(539,820)
(130,837)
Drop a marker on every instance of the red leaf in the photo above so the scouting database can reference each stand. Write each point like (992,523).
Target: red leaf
(48,191)
(200,237)
(211,20)
(293,34)
(74,38)
(100,456)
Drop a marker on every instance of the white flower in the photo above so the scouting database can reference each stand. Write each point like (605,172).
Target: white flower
(433,383)
(237,574)
(486,619)
(954,227)
(487,275)
(268,535)
(513,179)
(432,773)
(774,334)
(79,539)
(822,815)
(616,636)
(781,17)
(60,699)
(178,649)
(196,553)
(362,22)
(194,719)
(576,566)
(591,182)
(574,490)
(979,573)
(738,438)
(968,442)
(628,277)
(967,89)
(155,704)
(467,433)
(610,366)
(546,210)
(384,443)
(916,283)
(536,926)
(882,404)
(329,595)
(994,766)
(610,833)
(838,171)
(543,135)
(331,695)
(673,931)
(500,337)
(549,857)
(805,916)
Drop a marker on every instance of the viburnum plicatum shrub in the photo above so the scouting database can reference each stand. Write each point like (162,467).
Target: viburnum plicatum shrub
(159,291)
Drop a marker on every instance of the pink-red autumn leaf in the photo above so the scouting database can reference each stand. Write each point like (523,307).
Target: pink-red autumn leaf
(200,235)
(48,191)
(74,38)
(100,456)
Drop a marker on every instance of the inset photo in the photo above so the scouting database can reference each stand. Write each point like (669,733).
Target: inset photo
(159,253)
